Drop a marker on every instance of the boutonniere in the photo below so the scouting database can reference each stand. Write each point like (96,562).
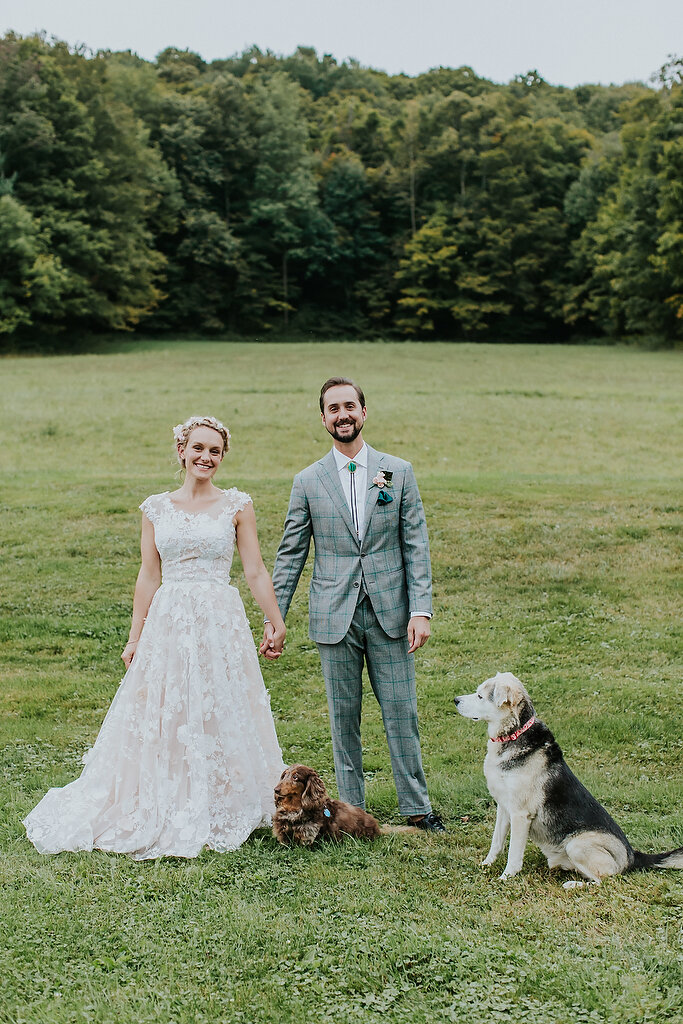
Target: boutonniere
(383,481)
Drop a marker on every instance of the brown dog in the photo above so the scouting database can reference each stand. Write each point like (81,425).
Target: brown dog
(304,812)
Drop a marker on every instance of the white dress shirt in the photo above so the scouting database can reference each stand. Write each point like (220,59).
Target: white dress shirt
(361,475)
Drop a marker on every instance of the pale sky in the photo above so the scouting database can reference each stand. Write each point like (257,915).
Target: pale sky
(569,42)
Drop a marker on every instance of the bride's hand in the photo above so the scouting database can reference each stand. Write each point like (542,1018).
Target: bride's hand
(128,652)
(273,641)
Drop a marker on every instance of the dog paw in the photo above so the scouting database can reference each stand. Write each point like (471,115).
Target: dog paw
(574,884)
(487,862)
(508,874)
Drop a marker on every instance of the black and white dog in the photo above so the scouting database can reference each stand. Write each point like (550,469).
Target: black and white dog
(539,798)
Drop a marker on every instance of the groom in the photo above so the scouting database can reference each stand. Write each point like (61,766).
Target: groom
(370,596)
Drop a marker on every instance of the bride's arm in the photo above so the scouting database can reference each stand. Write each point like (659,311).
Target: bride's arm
(146,586)
(258,579)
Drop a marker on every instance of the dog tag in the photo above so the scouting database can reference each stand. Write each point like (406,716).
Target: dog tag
(327,813)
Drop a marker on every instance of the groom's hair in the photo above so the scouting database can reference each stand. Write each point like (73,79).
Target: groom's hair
(334,382)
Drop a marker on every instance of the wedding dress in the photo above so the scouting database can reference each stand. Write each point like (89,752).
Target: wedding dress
(187,755)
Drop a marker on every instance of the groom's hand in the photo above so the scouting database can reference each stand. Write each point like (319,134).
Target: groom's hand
(418,632)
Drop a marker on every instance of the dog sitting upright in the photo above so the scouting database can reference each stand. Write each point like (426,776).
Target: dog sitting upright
(304,812)
(538,797)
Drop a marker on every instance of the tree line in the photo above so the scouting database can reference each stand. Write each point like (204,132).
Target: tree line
(261,193)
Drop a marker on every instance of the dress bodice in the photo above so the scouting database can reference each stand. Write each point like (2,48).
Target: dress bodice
(195,546)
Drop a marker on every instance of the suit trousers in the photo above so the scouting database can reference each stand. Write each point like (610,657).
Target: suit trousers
(392,677)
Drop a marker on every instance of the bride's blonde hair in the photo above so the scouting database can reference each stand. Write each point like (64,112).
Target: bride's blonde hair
(183,430)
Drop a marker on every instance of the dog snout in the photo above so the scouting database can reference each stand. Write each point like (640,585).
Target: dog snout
(456,700)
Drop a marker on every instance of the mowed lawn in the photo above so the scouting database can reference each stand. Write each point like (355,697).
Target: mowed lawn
(551,478)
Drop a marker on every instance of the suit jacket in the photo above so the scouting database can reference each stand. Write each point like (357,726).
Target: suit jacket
(390,560)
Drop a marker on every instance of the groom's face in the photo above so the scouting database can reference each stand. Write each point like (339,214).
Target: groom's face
(343,414)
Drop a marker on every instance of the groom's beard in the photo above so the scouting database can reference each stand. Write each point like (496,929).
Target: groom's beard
(349,435)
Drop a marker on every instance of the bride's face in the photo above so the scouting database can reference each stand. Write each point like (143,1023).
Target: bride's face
(203,453)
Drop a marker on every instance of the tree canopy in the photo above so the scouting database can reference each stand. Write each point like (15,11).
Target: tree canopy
(261,193)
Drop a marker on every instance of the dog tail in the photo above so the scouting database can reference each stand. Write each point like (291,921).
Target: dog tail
(648,861)
(387,830)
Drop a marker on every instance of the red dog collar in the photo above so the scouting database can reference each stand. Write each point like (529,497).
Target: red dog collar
(513,735)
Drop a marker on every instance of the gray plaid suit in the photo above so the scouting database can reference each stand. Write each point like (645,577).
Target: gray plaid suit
(361,595)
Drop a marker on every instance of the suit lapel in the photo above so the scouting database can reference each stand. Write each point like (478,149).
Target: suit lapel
(329,478)
(372,491)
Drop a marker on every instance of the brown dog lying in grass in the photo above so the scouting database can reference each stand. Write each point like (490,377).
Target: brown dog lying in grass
(305,812)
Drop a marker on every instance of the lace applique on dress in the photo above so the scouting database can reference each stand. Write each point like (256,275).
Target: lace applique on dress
(150,506)
(187,755)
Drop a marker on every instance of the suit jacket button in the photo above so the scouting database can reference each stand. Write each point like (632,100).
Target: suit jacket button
(356,585)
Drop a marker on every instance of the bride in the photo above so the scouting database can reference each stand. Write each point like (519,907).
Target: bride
(187,755)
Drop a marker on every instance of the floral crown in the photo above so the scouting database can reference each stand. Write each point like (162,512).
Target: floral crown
(182,431)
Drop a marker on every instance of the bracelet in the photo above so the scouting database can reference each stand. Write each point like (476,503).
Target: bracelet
(129,642)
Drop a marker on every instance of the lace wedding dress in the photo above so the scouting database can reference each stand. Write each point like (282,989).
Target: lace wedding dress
(187,755)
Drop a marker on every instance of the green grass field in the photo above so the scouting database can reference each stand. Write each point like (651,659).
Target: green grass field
(551,480)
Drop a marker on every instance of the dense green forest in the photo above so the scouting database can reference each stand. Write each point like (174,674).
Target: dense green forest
(265,193)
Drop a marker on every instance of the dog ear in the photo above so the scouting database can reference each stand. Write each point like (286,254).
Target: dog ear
(508,690)
(314,792)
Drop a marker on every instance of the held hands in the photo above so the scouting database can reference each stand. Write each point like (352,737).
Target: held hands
(273,641)
(418,632)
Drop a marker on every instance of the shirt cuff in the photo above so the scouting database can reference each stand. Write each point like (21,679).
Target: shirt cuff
(426,615)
